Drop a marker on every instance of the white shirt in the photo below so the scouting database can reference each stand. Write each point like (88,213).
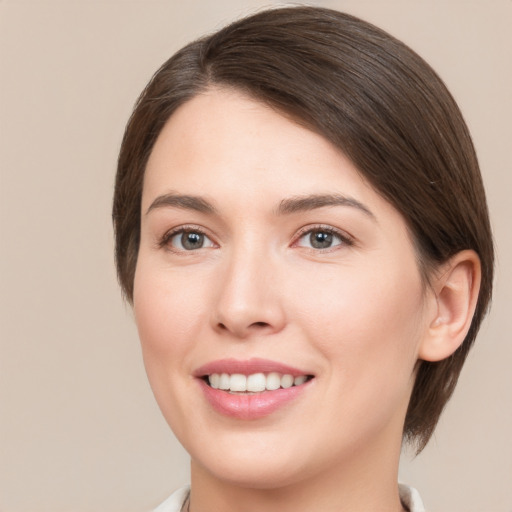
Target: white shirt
(409,496)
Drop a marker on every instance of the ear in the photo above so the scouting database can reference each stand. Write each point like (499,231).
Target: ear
(455,285)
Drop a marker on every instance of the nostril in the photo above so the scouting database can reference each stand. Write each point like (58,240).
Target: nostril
(242,331)
(259,324)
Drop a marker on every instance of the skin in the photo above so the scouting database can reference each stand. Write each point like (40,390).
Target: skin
(355,315)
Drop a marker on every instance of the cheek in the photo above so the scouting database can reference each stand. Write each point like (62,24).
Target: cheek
(165,304)
(169,323)
(168,319)
(367,323)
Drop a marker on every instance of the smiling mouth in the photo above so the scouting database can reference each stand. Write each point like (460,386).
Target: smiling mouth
(237,383)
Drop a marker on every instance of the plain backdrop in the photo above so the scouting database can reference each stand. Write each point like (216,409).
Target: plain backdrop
(79,429)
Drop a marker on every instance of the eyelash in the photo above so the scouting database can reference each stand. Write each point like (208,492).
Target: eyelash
(345,240)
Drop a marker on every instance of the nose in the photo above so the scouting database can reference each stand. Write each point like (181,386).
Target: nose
(249,302)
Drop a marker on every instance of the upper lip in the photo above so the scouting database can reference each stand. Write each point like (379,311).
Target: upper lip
(247,367)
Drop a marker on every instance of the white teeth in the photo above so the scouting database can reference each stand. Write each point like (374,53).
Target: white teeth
(215,380)
(223,381)
(255,382)
(299,380)
(238,382)
(286,381)
(273,381)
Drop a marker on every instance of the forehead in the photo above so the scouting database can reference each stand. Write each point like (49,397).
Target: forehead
(223,140)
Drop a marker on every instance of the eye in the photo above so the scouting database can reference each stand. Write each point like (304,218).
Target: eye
(322,238)
(187,240)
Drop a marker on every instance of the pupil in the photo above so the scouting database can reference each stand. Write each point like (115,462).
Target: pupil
(321,240)
(192,240)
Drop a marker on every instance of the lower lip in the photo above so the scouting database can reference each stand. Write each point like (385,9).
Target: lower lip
(250,406)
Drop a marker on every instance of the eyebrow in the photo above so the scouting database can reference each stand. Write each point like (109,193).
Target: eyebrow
(186,202)
(314,201)
(286,206)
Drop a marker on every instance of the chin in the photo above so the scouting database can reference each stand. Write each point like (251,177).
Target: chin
(262,473)
(257,461)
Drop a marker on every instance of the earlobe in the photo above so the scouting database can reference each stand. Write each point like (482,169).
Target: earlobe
(456,288)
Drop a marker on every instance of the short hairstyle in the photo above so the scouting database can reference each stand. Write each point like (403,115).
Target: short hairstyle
(373,98)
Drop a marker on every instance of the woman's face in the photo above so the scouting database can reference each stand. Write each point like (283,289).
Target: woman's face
(266,259)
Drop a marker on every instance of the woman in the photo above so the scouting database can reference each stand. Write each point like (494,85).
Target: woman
(302,230)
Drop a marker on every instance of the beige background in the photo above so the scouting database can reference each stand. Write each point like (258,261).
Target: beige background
(79,430)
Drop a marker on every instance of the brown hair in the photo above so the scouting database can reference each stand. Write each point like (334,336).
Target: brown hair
(372,97)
